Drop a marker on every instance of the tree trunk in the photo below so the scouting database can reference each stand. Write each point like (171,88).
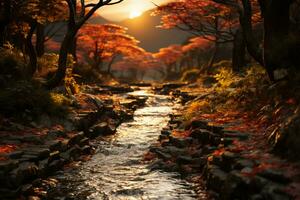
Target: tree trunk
(31,50)
(40,40)
(246,23)
(213,57)
(73,48)
(239,51)
(110,64)
(276,35)
(5,15)
(62,61)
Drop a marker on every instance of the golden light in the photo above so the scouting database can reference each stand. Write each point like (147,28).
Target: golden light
(134,14)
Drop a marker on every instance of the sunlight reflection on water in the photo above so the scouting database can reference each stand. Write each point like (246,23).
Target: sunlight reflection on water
(116,171)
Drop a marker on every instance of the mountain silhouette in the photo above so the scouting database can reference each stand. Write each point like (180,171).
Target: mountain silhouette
(144,28)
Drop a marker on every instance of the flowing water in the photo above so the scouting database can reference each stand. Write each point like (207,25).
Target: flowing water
(116,170)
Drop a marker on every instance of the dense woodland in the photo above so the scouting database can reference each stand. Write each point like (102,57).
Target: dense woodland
(241,61)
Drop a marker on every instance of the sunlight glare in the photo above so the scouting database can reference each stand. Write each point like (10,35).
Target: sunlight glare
(134,14)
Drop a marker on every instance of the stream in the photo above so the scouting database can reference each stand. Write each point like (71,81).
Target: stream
(116,171)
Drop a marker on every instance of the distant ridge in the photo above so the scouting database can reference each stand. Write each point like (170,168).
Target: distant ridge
(144,28)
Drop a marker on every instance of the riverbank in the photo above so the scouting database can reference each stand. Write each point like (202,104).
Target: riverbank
(30,154)
(225,152)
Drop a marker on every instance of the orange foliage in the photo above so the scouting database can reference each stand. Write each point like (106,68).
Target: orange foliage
(99,43)
(7,148)
(181,134)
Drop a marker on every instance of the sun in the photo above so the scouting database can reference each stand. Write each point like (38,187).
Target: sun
(134,14)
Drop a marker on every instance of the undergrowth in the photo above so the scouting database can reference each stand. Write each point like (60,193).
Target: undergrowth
(25,99)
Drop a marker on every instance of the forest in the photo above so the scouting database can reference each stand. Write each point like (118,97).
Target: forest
(88,110)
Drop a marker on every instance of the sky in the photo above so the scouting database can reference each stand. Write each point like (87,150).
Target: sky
(127,9)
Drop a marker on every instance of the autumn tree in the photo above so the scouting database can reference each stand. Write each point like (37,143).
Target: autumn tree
(170,56)
(76,19)
(277,27)
(213,22)
(22,19)
(137,65)
(104,43)
(193,52)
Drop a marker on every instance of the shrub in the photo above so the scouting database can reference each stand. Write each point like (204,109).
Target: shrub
(12,65)
(26,98)
(190,75)
(196,107)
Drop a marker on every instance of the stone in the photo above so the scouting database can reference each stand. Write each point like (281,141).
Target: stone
(174,151)
(55,165)
(166,132)
(236,187)
(31,139)
(235,134)
(198,124)
(86,149)
(53,134)
(215,177)
(39,152)
(182,160)
(75,138)
(275,192)
(242,163)
(163,137)
(181,142)
(54,145)
(15,154)
(34,198)
(100,129)
(84,141)
(274,175)
(8,165)
(227,141)
(54,156)
(228,160)
(25,171)
(43,166)
(8,193)
(163,155)
(26,189)
(157,164)
(258,183)
(256,197)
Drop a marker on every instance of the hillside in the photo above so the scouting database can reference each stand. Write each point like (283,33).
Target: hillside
(144,28)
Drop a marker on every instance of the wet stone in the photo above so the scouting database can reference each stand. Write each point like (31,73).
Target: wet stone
(163,155)
(166,132)
(83,142)
(54,155)
(215,177)
(75,139)
(181,142)
(184,160)
(174,151)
